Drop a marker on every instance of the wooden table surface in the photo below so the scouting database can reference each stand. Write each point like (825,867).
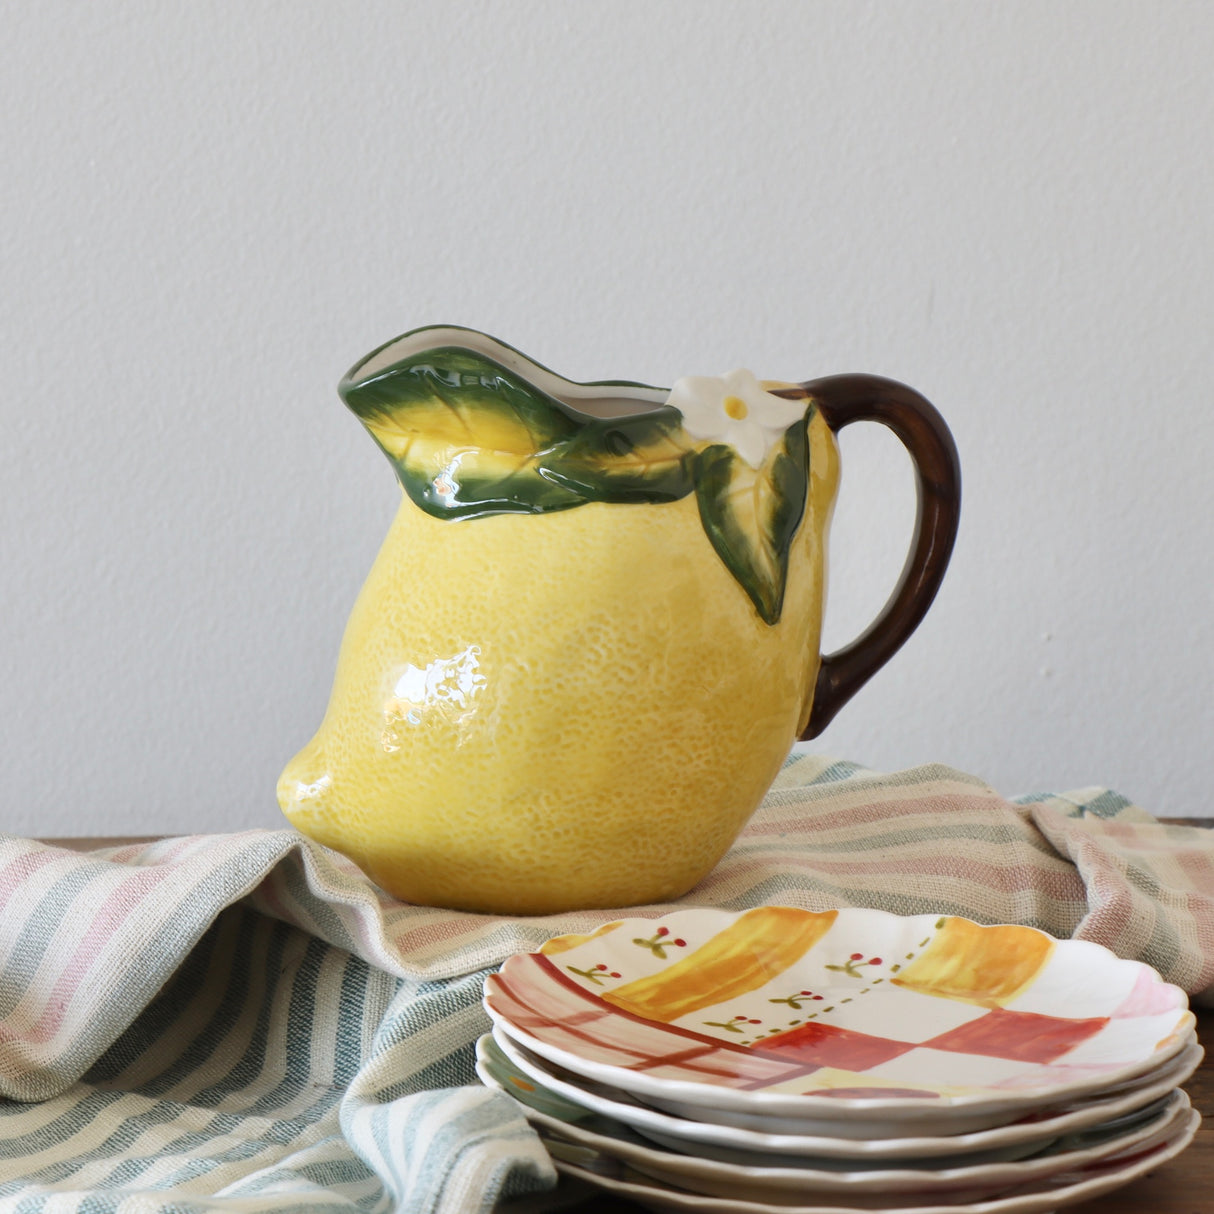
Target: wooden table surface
(1183,1186)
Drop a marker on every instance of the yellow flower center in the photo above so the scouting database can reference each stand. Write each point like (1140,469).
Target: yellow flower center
(736,408)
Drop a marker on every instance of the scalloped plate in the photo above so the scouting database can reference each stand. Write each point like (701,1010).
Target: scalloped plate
(1040,1197)
(704,1174)
(854,1017)
(544,1081)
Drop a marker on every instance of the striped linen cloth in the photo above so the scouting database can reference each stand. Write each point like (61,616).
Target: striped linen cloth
(245,1023)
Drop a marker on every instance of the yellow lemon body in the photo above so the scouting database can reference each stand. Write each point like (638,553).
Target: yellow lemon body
(534,713)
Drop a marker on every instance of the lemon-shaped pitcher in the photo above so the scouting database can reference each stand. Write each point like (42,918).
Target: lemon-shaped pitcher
(591,635)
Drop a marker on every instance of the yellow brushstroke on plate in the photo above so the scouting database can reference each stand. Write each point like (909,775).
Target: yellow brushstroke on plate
(562,944)
(1183,1027)
(757,946)
(988,966)
(830,1078)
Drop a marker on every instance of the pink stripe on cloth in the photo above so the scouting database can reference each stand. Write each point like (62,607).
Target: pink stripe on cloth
(1132,908)
(1197,867)
(884,811)
(1061,885)
(19,870)
(124,902)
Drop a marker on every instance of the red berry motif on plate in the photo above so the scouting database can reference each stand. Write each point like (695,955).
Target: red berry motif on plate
(854,964)
(795,1001)
(595,975)
(659,942)
(732,1024)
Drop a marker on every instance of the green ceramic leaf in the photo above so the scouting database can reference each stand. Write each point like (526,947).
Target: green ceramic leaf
(465,434)
(751,516)
(626,459)
(469,437)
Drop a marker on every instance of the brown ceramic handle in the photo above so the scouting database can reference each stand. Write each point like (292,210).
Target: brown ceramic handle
(843,399)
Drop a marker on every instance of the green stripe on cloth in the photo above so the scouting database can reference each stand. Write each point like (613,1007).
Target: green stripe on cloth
(244,1023)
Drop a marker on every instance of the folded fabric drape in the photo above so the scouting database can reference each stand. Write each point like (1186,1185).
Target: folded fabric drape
(244,1022)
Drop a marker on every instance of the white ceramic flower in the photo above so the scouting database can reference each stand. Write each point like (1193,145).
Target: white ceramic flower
(734,409)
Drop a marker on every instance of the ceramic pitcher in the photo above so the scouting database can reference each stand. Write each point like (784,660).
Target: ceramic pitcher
(591,635)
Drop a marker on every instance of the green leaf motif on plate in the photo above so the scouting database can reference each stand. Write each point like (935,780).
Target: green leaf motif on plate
(751,516)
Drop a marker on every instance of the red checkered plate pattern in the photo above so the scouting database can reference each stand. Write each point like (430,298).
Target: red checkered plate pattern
(853,1017)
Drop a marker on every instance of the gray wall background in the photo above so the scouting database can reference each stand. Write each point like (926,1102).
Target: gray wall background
(209,211)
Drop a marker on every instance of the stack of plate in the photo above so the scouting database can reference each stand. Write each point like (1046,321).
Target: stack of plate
(786,1060)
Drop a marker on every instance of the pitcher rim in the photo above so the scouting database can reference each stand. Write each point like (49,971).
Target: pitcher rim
(378,365)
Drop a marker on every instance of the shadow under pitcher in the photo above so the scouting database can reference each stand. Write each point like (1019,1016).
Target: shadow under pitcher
(592,633)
